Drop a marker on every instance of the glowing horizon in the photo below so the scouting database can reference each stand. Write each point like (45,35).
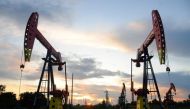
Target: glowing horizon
(97,44)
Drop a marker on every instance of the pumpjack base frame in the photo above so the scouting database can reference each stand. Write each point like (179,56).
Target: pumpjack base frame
(49,62)
(146,60)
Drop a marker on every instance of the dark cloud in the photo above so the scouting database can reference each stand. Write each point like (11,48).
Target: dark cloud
(19,11)
(83,68)
(132,36)
(8,75)
(180,79)
(87,68)
(31,76)
(176,34)
(178,40)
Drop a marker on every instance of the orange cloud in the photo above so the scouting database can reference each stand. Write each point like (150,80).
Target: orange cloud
(59,33)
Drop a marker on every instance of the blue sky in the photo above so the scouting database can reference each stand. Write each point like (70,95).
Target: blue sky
(97,39)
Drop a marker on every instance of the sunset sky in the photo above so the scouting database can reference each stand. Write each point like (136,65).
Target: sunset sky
(97,39)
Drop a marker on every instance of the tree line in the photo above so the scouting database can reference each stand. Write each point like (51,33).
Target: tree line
(8,101)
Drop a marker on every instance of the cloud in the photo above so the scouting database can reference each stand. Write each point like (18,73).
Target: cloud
(14,16)
(180,80)
(177,38)
(94,39)
(8,64)
(59,15)
(56,11)
(84,68)
(133,33)
(96,93)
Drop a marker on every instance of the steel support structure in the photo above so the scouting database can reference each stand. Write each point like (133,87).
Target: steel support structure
(49,62)
(146,60)
(53,58)
(132,84)
(122,98)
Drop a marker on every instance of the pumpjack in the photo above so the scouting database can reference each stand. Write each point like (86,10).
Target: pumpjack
(107,98)
(157,34)
(53,58)
(122,98)
(168,100)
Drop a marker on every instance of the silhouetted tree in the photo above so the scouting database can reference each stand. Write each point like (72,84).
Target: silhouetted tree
(7,100)
(155,101)
(2,88)
(27,100)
